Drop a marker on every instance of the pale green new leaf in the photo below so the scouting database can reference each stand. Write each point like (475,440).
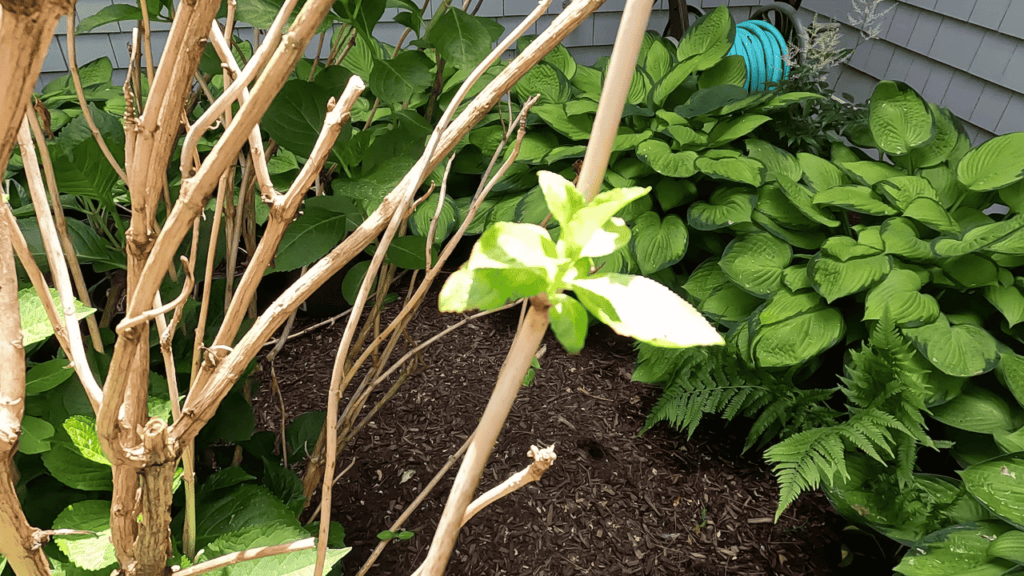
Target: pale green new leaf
(82,430)
(644,309)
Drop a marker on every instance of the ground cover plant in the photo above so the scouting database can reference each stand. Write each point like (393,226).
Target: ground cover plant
(143,202)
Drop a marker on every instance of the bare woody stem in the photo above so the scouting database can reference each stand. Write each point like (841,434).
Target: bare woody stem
(531,330)
(17,536)
(510,378)
(251,554)
(26,27)
(202,405)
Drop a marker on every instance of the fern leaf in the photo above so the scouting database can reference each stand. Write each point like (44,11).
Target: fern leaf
(801,460)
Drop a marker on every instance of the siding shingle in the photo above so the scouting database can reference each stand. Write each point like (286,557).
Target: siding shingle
(990,107)
(925,30)
(956,43)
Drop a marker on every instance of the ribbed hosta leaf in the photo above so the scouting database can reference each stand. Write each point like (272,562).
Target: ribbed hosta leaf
(775,159)
(899,295)
(938,150)
(546,80)
(848,270)
(961,350)
(900,238)
(755,262)
(802,198)
(993,165)
(659,155)
(740,170)
(709,39)
(997,483)
(899,119)
(855,198)
(727,206)
(793,328)
(1001,237)
(819,173)
(658,243)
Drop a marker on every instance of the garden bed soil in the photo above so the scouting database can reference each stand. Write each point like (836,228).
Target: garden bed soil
(612,503)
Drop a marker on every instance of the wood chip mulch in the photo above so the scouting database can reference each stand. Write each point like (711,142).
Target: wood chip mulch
(612,503)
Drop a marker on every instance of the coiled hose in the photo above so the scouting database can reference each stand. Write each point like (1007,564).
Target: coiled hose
(762,47)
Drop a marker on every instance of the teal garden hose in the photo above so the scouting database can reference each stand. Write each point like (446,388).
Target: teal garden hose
(763,48)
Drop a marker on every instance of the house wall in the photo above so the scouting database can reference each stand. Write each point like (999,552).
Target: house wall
(967,55)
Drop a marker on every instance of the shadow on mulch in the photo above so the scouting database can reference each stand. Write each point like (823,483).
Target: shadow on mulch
(612,503)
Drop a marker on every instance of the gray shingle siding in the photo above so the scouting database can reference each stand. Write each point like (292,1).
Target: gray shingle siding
(967,55)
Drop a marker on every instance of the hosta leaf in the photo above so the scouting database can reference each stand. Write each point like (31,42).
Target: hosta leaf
(546,80)
(658,60)
(775,159)
(994,164)
(740,170)
(729,130)
(705,279)
(793,328)
(820,174)
(728,70)
(1010,372)
(807,240)
(901,239)
(795,278)
(755,262)
(1009,301)
(729,303)
(673,80)
(659,155)
(899,119)
(961,550)
(855,198)
(938,150)
(725,207)
(930,213)
(687,137)
(899,295)
(960,350)
(971,271)
(947,187)
(707,100)
(709,39)
(673,192)
(997,483)
(902,191)
(773,203)
(869,172)
(835,278)
(802,198)
(625,304)
(419,222)
(658,243)
(1001,237)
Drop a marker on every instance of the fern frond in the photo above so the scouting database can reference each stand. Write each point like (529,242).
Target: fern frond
(802,460)
(654,364)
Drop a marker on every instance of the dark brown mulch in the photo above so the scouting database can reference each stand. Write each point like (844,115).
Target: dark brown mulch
(612,503)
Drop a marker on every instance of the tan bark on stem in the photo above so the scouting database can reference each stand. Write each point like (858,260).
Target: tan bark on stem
(195,189)
(613,96)
(26,27)
(82,103)
(58,265)
(202,406)
(62,230)
(543,458)
(510,378)
(38,280)
(17,536)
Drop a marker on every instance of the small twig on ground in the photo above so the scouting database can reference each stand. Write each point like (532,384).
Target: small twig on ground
(543,458)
